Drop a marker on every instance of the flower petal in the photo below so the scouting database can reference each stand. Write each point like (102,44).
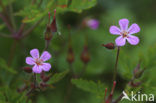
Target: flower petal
(45,56)
(37,69)
(123,24)
(46,66)
(134,28)
(120,41)
(30,61)
(34,53)
(133,40)
(93,24)
(114,30)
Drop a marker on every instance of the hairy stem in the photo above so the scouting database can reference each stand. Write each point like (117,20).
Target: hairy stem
(116,64)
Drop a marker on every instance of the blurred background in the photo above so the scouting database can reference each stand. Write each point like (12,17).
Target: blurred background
(22,28)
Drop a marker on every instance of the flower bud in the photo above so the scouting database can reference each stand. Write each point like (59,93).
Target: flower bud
(70,56)
(93,24)
(48,33)
(132,84)
(85,57)
(109,46)
(53,24)
(32,85)
(44,77)
(137,72)
(27,69)
(43,85)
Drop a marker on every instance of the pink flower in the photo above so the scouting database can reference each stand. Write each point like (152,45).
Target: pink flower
(38,62)
(93,24)
(125,33)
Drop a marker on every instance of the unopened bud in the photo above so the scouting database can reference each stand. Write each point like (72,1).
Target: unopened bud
(70,56)
(132,84)
(43,85)
(85,57)
(27,69)
(32,85)
(137,72)
(53,24)
(44,77)
(109,46)
(48,33)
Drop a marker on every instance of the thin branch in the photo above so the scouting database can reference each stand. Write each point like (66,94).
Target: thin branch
(27,32)
(6,22)
(12,19)
(116,64)
(5,35)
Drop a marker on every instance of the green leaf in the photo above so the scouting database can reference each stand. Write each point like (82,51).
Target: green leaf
(3,65)
(90,86)
(5,3)
(30,13)
(78,6)
(33,13)
(58,76)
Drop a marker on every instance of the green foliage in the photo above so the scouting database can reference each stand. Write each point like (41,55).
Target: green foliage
(10,95)
(32,13)
(90,86)
(58,76)
(4,3)
(78,6)
(3,65)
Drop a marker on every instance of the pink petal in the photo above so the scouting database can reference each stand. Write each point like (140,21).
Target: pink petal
(114,30)
(93,24)
(34,53)
(46,66)
(134,28)
(120,41)
(45,56)
(37,69)
(133,40)
(123,24)
(30,61)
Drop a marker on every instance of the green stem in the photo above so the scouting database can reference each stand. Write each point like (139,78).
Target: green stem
(12,52)
(12,19)
(35,82)
(116,64)
(83,70)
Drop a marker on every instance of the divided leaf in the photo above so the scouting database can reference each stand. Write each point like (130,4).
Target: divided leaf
(90,86)
(58,76)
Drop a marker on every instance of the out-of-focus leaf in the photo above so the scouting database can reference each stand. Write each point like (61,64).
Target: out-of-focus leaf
(58,76)
(78,6)
(12,95)
(3,65)
(5,3)
(33,12)
(30,13)
(90,86)
(2,26)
